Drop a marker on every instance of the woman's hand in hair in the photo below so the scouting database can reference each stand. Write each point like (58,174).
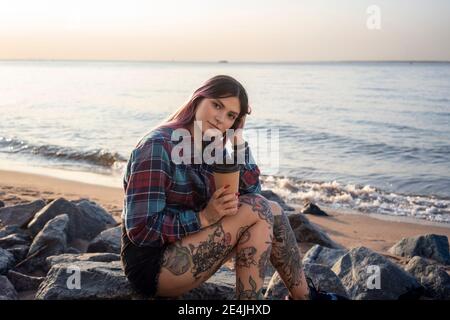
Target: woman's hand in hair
(238,138)
(220,205)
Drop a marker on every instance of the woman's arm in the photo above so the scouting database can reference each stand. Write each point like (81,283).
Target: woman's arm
(149,220)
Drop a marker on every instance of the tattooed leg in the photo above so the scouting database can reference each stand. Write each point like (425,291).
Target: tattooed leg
(253,250)
(286,256)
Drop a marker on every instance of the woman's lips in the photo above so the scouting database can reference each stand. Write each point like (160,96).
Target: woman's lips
(213,126)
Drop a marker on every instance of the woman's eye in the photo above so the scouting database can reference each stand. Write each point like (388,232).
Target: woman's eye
(232,116)
(216,105)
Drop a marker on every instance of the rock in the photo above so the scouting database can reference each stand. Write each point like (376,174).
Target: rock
(51,240)
(322,277)
(429,246)
(358,273)
(7,261)
(323,255)
(19,252)
(7,291)
(2,204)
(272,196)
(97,280)
(23,282)
(325,279)
(210,291)
(430,275)
(13,239)
(306,231)
(71,258)
(73,250)
(96,213)
(20,214)
(11,229)
(107,241)
(86,220)
(311,208)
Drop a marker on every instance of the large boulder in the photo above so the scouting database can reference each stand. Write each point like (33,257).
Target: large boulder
(431,246)
(367,275)
(305,231)
(86,220)
(313,209)
(7,291)
(7,261)
(107,241)
(322,277)
(72,258)
(86,280)
(23,282)
(95,213)
(432,276)
(323,255)
(20,214)
(51,240)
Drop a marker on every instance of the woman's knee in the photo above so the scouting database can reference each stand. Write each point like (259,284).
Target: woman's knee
(256,208)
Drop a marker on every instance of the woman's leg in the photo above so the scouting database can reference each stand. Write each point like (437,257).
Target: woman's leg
(286,256)
(253,250)
(192,260)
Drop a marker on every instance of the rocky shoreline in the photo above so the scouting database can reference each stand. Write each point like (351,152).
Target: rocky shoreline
(69,249)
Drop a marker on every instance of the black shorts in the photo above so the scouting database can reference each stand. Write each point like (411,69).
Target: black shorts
(141,265)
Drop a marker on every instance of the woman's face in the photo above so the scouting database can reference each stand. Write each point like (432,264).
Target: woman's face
(217,113)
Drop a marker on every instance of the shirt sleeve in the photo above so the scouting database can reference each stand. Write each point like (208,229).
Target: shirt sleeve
(249,172)
(149,220)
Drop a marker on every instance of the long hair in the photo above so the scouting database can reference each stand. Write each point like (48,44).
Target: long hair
(220,86)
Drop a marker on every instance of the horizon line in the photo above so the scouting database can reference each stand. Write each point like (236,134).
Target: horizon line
(224,61)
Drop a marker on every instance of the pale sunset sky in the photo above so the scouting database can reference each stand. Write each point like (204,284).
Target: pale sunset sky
(234,30)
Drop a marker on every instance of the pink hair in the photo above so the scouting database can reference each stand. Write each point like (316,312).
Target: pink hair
(220,86)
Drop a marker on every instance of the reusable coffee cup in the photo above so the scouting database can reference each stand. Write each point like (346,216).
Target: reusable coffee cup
(227,173)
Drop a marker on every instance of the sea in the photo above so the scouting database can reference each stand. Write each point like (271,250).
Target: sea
(371,137)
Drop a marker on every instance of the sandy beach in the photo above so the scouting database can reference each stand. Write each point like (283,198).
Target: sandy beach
(348,229)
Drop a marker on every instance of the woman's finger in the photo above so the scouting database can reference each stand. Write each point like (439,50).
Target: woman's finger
(229,212)
(219,192)
(231,204)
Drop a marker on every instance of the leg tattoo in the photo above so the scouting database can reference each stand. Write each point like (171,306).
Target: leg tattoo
(248,294)
(177,259)
(206,255)
(285,255)
(260,206)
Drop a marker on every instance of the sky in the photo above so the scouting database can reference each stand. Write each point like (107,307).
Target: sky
(234,30)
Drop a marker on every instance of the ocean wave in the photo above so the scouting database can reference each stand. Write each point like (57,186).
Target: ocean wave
(363,198)
(99,157)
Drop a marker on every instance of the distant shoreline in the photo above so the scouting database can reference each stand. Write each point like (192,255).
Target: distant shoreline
(234,62)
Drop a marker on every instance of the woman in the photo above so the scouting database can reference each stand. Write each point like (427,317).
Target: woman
(178,230)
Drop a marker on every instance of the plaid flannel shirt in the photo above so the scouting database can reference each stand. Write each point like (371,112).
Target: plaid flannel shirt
(162,199)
